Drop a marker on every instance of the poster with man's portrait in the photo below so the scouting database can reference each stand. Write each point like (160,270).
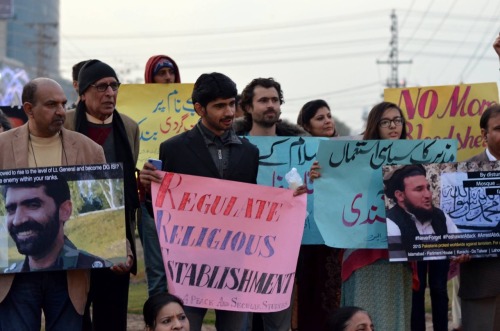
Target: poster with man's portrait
(60,218)
(439,211)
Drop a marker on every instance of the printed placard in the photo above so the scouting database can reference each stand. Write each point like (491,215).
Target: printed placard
(64,217)
(458,213)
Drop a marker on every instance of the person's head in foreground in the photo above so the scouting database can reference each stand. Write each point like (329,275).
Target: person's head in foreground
(350,319)
(164,312)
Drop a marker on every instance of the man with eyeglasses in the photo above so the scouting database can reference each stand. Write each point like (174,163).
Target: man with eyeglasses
(96,117)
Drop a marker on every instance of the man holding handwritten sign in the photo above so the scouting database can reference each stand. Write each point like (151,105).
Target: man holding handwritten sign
(210,149)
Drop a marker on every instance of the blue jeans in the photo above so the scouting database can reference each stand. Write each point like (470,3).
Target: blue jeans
(225,320)
(36,291)
(437,272)
(155,270)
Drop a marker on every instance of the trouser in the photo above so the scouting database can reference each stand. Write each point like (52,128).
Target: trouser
(109,298)
(436,273)
(155,270)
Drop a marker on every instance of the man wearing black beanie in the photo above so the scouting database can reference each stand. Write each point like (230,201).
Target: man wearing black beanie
(96,117)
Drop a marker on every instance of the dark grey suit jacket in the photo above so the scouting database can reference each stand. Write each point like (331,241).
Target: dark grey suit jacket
(188,154)
(480,278)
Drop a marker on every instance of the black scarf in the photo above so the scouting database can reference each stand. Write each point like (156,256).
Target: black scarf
(123,152)
(408,227)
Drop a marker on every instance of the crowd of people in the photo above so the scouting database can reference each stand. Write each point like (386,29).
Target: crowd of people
(331,283)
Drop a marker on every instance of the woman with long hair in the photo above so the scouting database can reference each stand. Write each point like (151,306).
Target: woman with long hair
(319,266)
(369,280)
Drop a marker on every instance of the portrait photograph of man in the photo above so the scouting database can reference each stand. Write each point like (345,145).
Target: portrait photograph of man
(46,228)
(411,212)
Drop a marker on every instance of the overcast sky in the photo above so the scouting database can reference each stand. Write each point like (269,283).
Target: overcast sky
(315,49)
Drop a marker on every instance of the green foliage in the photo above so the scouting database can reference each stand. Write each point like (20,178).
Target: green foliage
(76,199)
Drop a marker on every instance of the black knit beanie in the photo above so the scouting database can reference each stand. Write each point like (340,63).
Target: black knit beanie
(91,72)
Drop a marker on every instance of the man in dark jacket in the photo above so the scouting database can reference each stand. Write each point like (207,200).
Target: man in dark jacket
(96,117)
(210,149)
(479,279)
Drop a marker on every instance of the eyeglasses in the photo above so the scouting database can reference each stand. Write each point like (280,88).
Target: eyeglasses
(398,121)
(103,87)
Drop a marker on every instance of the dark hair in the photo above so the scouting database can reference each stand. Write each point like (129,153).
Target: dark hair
(155,303)
(339,320)
(29,91)
(309,110)
(209,87)
(374,117)
(490,111)
(76,69)
(248,92)
(57,189)
(394,180)
(4,122)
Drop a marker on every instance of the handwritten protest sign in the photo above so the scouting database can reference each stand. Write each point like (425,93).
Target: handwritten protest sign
(278,155)
(228,245)
(349,206)
(465,213)
(446,112)
(58,218)
(161,110)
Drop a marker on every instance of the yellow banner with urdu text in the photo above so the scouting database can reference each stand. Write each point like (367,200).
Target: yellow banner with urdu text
(446,112)
(161,110)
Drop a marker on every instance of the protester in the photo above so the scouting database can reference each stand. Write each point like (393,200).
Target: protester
(164,312)
(75,70)
(261,102)
(479,279)
(210,149)
(350,319)
(159,69)
(96,117)
(316,118)
(369,280)
(319,266)
(43,142)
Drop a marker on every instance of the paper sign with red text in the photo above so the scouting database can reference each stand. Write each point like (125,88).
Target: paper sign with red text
(228,245)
